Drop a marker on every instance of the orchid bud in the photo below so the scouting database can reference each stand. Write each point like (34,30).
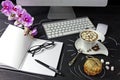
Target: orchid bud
(34,32)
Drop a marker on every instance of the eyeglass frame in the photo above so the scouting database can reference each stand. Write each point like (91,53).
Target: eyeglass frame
(41,47)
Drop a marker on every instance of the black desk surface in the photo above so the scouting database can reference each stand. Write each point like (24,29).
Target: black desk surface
(109,16)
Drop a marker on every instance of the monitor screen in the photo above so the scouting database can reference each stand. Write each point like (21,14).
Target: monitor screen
(62,8)
(62,2)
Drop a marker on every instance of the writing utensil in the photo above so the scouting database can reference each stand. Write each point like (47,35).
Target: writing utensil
(49,67)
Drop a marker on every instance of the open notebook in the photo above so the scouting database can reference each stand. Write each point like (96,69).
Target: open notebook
(13,52)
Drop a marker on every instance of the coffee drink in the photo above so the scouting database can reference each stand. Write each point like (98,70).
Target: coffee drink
(89,36)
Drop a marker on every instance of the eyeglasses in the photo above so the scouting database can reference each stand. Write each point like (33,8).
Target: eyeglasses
(40,48)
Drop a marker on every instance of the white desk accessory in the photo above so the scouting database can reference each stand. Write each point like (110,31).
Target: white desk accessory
(86,47)
(102,28)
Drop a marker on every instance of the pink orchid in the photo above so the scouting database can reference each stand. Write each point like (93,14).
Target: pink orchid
(24,18)
(16,12)
(7,7)
(27,19)
(20,13)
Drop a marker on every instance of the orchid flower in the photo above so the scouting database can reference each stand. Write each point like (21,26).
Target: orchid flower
(19,13)
(16,12)
(24,18)
(21,16)
(7,7)
(27,19)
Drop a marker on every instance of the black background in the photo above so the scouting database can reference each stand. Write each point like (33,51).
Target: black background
(109,15)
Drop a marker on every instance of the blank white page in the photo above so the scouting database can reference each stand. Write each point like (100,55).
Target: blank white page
(50,57)
(13,46)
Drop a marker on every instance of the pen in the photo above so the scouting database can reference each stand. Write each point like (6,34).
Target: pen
(49,67)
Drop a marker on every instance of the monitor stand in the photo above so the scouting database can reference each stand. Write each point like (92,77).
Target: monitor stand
(58,12)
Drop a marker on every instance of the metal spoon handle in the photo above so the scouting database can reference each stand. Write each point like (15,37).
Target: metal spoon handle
(73,60)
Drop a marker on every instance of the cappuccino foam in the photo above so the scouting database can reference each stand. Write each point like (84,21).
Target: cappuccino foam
(89,36)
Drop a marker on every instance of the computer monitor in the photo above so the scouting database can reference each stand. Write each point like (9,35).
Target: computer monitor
(62,9)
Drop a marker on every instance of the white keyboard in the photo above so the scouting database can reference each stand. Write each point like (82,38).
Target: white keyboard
(67,27)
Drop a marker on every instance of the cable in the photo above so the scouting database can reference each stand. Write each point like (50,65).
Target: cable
(40,22)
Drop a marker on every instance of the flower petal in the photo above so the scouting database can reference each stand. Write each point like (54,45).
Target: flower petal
(7,6)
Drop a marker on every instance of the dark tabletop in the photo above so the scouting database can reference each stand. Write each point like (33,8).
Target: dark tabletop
(107,15)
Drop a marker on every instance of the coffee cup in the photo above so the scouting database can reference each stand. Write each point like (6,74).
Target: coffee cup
(89,38)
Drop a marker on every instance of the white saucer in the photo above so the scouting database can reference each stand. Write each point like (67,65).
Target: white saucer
(103,50)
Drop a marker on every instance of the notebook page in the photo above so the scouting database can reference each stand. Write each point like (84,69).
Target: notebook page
(13,46)
(50,57)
